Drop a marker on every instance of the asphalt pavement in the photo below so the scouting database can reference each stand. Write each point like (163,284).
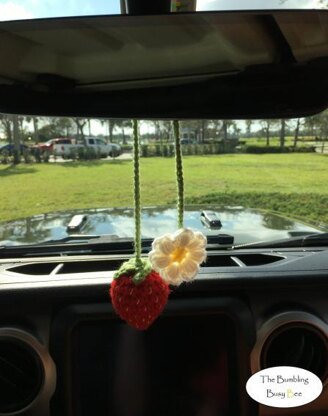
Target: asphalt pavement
(123,156)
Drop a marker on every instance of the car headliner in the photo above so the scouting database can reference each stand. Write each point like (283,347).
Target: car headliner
(197,65)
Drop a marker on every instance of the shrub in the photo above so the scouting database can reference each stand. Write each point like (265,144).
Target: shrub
(144,150)
(80,153)
(37,154)
(303,149)
(165,151)
(91,154)
(126,148)
(73,154)
(277,149)
(27,156)
(4,158)
(45,156)
(262,150)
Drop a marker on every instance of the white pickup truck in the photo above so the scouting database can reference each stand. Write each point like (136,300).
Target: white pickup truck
(99,146)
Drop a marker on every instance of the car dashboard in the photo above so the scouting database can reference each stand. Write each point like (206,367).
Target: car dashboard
(63,350)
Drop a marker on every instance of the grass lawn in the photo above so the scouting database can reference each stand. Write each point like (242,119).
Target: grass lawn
(275,141)
(295,184)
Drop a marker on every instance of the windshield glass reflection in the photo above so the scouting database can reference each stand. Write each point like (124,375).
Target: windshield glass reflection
(246,225)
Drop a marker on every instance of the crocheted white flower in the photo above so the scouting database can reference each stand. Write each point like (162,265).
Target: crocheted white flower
(177,256)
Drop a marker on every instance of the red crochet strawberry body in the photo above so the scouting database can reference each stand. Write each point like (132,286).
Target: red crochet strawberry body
(139,304)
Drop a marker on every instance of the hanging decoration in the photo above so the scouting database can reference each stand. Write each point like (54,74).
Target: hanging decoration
(177,256)
(140,288)
(138,293)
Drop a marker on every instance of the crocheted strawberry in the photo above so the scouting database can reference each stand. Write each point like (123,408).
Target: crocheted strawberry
(138,297)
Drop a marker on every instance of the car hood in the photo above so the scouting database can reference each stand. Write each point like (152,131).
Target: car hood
(246,225)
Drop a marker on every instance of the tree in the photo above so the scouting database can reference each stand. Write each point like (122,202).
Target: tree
(249,128)
(51,127)
(267,126)
(317,126)
(16,137)
(6,122)
(35,122)
(157,127)
(282,133)
(276,222)
(123,124)
(320,122)
(211,129)
(297,130)
(166,129)
(225,126)
(117,123)
(225,130)
(310,125)
(198,127)
(110,127)
(64,126)
(80,124)
(203,130)
(36,129)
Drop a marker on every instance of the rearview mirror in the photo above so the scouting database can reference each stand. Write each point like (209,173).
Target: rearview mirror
(194,65)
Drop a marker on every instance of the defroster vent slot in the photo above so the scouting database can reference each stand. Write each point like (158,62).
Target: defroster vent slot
(69,267)
(94,266)
(258,259)
(34,269)
(90,266)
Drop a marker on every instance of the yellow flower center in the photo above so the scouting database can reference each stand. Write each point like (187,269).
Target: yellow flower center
(179,254)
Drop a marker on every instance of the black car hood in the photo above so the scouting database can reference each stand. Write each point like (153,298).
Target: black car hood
(246,225)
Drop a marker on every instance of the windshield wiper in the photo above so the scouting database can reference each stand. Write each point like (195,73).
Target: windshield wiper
(74,245)
(312,240)
(219,239)
(96,244)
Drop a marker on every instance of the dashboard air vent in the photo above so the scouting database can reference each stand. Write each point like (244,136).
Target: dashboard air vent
(297,345)
(21,375)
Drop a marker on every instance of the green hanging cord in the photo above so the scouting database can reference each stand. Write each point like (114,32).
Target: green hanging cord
(179,173)
(137,203)
(136,266)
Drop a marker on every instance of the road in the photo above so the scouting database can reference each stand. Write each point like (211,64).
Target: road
(123,156)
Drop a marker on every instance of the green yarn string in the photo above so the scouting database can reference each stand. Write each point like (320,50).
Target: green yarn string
(179,173)
(136,267)
(137,202)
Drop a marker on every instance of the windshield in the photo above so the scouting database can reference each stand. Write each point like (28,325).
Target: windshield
(261,179)
(205,5)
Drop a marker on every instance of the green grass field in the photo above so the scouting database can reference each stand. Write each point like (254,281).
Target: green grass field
(275,141)
(294,184)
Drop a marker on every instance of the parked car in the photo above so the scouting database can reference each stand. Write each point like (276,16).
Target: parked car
(49,145)
(188,141)
(99,146)
(9,149)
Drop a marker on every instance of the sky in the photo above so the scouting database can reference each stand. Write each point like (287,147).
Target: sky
(29,9)
(256,4)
